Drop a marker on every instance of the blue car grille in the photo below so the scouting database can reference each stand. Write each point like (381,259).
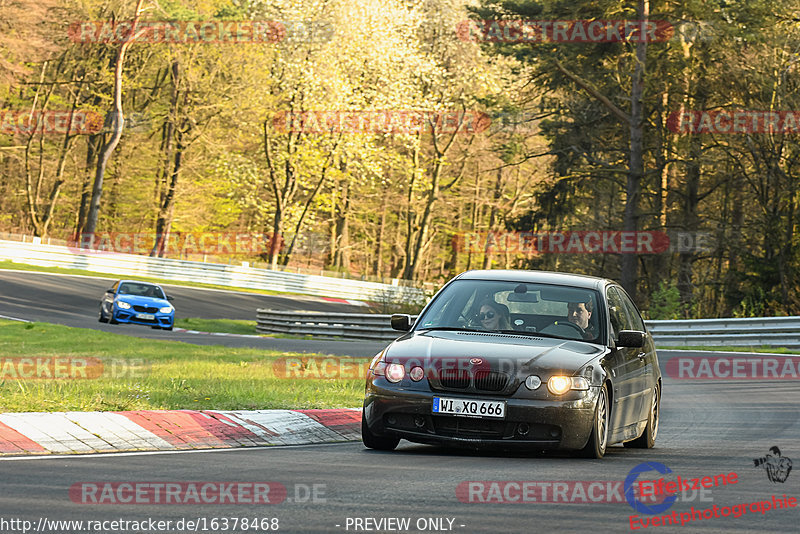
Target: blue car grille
(145,309)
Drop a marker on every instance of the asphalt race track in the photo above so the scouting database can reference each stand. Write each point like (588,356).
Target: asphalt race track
(707,428)
(74,301)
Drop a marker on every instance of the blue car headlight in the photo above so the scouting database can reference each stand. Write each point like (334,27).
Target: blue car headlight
(121,304)
(166,309)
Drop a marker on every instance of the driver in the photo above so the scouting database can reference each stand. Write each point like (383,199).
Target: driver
(579,313)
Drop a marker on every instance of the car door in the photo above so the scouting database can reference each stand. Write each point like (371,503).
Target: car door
(627,370)
(646,353)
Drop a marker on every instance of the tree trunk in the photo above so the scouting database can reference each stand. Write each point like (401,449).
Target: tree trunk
(630,262)
(117,121)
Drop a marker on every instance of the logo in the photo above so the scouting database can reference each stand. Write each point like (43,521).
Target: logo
(475,361)
(778,467)
(630,484)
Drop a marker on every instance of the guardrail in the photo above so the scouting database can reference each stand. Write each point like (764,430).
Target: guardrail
(209,273)
(748,332)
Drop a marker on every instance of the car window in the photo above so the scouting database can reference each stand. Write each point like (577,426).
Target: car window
(142,290)
(525,307)
(632,312)
(617,313)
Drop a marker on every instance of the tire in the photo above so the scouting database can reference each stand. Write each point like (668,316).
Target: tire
(112,321)
(371,441)
(102,317)
(598,440)
(648,438)
(167,328)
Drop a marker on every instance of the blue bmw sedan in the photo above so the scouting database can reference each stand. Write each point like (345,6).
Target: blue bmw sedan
(130,301)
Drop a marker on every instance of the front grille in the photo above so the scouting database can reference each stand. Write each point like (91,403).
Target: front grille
(490,380)
(145,309)
(454,378)
(482,380)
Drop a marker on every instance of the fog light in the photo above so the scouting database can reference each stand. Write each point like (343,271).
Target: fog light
(416,373)
(533,382)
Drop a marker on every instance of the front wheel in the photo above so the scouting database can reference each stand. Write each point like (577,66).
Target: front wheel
(648,438)
(598,440)
(371,441)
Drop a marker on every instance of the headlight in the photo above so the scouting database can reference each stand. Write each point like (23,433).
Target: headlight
(558,385)
(123,305)
(166,309)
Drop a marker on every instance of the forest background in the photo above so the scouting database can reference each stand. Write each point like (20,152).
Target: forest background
(517,136)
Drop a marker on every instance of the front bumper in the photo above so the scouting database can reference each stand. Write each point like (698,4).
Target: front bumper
(163,320)
(528,424)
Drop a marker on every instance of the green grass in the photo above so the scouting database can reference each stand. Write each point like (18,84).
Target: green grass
(142,374)
(229,326)
(8,264)
(769,350)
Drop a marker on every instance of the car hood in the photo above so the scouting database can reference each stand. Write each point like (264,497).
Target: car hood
(514,354)
(138,300)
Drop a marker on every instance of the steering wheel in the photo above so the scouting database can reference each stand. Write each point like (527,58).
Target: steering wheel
(555,325)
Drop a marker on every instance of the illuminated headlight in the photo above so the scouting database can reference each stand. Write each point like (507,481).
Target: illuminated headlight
(166,309)
(395,372)
(558,385)
(121,304)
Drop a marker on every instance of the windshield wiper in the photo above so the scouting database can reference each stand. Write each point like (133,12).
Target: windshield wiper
(452,329)
(529,334)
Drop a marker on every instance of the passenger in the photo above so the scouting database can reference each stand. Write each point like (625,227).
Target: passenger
(494,316)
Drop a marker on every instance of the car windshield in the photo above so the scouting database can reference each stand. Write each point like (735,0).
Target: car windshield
(141,290)
(528,308)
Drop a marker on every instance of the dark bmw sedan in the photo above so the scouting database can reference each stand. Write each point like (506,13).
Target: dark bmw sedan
(509,359)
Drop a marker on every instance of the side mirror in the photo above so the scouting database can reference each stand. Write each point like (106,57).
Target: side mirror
(631,338)
(110,290)
(170,297)
(401,321)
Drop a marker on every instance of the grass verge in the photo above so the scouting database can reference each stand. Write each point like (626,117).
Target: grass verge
(227,326)
(125,373)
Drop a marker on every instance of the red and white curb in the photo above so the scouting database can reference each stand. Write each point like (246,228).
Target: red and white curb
(150,430)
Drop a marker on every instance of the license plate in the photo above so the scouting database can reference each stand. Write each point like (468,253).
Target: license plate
(469,407)
(145,316)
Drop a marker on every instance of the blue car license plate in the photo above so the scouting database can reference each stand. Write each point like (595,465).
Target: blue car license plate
(146,316)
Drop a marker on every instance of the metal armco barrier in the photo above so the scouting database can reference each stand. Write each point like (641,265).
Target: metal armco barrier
(347,325)
(749,332)
(209,273)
